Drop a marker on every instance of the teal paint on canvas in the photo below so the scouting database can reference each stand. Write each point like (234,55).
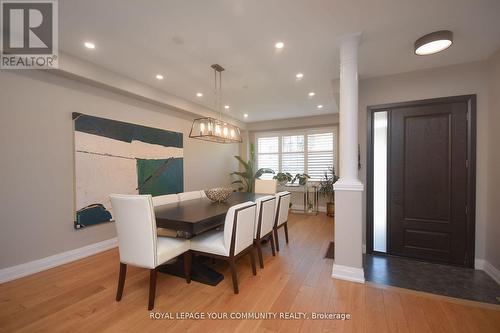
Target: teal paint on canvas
(159,177)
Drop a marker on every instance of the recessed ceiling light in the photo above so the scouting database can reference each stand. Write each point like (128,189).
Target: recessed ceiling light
(245,115)
(299,76)
(226,107)
(159,76)
(199,94)
(311,94)
(320,106)
(89,45)
(434,42)
(279,45)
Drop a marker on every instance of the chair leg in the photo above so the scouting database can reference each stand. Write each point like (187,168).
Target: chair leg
(152,289)
(121,281)
(252,261)
(286,231)
(233,273)
(259,252)
(276,239)
(271,238)
(187,266)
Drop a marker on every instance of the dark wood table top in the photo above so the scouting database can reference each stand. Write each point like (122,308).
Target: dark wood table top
(198,215)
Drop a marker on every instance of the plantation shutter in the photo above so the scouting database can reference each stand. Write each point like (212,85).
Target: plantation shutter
(319,154)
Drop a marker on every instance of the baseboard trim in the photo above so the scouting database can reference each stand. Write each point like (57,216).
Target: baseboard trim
(348,273)
(488,269)
(32,267)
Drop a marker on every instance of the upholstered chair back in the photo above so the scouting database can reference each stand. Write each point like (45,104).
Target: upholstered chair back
(136,228)
(282,208)
(239,227)
(265,186)
(265,215)
(165,199)
(183,196)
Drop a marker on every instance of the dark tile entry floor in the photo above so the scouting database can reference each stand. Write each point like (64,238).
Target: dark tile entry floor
(434,278)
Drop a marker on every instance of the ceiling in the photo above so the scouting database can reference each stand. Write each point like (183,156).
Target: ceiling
(182,38)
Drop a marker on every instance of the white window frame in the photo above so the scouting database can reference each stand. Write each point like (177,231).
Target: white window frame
(303,131)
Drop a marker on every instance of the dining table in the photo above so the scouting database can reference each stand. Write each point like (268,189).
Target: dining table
(193,217)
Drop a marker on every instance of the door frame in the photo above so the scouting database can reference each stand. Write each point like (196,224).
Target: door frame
(471,172)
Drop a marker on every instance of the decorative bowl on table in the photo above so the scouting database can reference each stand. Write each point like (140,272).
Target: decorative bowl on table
(219,194)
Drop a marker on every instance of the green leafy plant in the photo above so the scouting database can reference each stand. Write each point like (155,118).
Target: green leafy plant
(283,177)
(247,177)
(326,184)
(301,177)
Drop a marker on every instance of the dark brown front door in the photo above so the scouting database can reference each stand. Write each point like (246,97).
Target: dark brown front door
(428,181)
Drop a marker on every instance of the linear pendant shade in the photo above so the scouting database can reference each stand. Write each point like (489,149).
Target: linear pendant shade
(215,130)
(212,129)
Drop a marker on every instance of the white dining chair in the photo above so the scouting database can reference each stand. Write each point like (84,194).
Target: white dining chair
(281,220)
(264,222)
(161,200)
(138,244)
(231,243)
(183,196)
(202,193)
(166,199)
(265,186)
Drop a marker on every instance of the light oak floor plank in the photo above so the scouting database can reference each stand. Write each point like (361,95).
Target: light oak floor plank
(79,296)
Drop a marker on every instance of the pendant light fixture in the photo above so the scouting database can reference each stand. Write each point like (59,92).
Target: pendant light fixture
(212,129)
(434,42)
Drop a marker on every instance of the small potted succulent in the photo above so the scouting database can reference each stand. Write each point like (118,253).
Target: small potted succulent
(326,189)
(283,178)
(301,177)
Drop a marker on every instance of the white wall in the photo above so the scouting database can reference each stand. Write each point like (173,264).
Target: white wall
(492,254)
(36,149)
(462,79)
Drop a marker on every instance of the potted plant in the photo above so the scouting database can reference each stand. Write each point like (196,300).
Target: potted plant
(326,189)
(246,182)
(301,177)
(283,178)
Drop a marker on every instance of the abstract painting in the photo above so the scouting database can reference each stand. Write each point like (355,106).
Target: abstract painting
(117,157)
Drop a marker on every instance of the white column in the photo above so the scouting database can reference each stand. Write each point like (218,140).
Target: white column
(348,262)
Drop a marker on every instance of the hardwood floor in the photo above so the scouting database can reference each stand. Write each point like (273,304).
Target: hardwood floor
(80,297)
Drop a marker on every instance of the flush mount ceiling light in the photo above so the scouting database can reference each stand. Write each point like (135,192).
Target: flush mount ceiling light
(320,106)
(245,115)
(434,42)
(89,45)
(159,77)
(226,107)
(299,76)
(279,45)
(311,94)
(212,129)
(199,94)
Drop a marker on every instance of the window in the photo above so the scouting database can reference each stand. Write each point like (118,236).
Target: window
(319,153)
(292,157)
(303,151)
(268,148)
